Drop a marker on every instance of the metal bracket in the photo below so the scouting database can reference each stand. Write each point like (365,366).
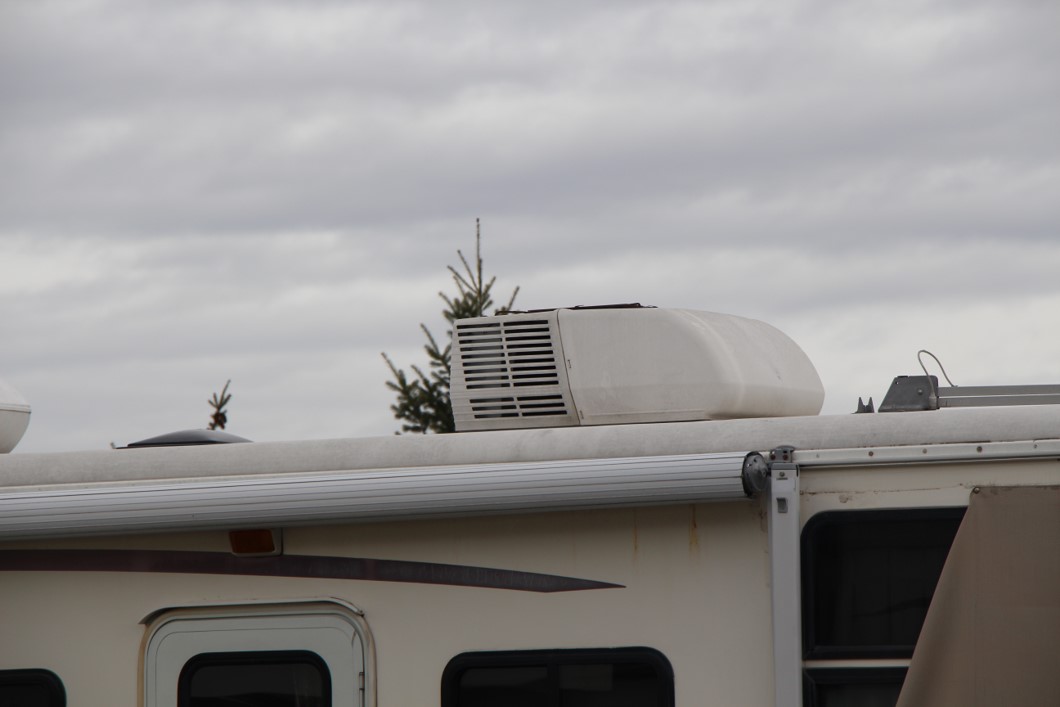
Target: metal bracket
(785,577)
(911,393)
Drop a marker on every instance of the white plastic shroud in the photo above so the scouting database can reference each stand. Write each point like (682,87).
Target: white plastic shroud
(625,365)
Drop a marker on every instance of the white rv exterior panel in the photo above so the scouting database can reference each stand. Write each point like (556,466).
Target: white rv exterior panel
(694,584)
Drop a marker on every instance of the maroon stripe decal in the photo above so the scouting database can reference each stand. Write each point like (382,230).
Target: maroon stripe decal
(318,566)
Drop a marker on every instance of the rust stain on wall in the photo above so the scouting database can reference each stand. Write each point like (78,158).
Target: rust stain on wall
(636,540)
(693,531)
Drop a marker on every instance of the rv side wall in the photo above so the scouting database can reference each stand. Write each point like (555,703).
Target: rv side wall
(692,584)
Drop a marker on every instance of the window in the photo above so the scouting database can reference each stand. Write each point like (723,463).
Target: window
(255,679)
(617,677)
(31,688)
(867,581)
(868,578)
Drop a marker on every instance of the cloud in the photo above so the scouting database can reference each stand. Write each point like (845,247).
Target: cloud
(199,191)
(331,116)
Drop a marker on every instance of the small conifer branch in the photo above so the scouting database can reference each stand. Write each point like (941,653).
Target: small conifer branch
(219,417)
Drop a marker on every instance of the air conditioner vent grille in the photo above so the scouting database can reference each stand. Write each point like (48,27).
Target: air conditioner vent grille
(518,406)
(505,355)
(510,368)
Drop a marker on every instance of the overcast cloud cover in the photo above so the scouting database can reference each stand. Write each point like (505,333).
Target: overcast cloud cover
(270,191)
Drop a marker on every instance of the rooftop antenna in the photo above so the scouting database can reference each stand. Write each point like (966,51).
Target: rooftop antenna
(932,380)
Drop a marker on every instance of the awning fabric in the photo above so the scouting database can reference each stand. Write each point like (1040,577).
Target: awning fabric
(992,633)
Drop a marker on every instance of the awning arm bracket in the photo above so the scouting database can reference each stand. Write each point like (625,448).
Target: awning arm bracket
(784,532)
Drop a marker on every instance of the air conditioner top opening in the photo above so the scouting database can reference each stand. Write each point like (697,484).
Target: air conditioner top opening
(598,366)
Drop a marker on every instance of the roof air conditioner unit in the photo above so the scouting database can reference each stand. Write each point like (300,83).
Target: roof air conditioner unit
(14,417)
(602,365)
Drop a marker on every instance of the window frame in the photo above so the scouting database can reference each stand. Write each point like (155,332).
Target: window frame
(552,659)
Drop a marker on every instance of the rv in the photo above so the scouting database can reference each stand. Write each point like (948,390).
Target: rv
(642,508)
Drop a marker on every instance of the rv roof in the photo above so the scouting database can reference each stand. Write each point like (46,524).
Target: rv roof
(951,426)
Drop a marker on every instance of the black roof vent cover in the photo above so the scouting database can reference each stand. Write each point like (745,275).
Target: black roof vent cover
(188,438)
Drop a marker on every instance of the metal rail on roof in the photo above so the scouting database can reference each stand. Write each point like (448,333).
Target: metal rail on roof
(984,395)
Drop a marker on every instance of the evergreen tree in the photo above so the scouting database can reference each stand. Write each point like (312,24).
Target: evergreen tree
(423,403)
(219,417)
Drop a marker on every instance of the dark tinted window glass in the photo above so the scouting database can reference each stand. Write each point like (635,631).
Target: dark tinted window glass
(31,688)
(853,687)
(511,686)
(624,677)
(606,685)
(868,578)
(255,679)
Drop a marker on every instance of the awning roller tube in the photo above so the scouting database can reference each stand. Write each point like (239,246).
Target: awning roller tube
(379,495)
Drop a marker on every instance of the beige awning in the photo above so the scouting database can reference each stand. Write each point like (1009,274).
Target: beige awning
(992,633)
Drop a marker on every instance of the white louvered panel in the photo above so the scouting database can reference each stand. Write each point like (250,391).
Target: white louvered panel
(510,369)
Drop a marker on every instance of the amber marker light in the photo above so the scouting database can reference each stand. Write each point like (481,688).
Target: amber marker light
(256,542)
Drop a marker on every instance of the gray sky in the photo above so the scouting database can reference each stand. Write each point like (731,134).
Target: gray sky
(270,191)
